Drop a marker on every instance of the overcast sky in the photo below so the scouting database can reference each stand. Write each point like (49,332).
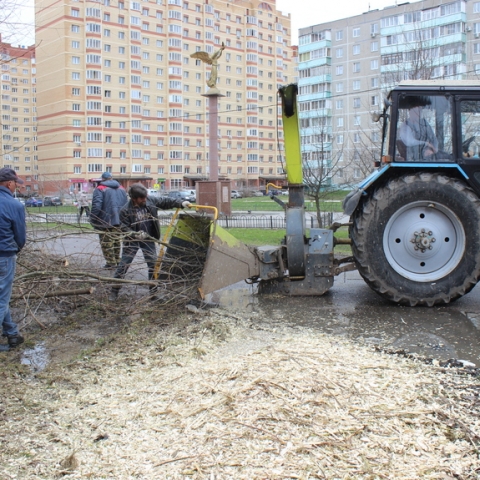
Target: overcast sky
(305,13)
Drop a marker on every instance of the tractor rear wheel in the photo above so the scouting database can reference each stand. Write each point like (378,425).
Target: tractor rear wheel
(416,240)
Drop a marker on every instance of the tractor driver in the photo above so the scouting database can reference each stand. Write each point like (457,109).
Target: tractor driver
(417,136)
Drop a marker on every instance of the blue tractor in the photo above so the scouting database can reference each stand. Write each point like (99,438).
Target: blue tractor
(415,221)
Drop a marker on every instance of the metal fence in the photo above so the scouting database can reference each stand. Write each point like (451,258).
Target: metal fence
(268,221)
(226,221)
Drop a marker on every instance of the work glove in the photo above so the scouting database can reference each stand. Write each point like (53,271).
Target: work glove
(186,204)
(141,235)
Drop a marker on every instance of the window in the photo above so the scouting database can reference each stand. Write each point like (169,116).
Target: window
(374,64)
(356,67)
(436,127)
(356,50)
(339,70)
(356,85)
(95,167)
(356,102)
(339,35)
(356,32)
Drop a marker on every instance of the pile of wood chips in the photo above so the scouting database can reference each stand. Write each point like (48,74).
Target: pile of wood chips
(221,400)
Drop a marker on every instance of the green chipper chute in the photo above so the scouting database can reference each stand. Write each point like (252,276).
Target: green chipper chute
(202,257)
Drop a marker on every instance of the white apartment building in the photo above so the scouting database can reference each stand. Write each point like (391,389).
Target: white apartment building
(347,67)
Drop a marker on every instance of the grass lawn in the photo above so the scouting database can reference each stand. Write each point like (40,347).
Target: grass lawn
(333,203)
(62,209)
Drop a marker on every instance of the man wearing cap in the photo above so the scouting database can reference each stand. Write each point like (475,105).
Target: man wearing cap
(108,198)
(12,239)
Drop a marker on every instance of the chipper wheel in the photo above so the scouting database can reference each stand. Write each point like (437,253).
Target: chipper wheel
(416,240)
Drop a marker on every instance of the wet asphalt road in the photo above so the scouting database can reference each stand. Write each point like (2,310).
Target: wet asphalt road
(350,309)
(353,310)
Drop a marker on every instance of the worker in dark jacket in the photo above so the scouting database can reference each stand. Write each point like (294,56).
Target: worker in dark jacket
(139,221)
(108,198)
(12,239)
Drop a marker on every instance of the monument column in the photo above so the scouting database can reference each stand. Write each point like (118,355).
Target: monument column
(213,192)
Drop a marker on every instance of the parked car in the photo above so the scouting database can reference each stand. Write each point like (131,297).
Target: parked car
(193,194)
(52,201)
(21,200)
(182,195)
(33,202)
(236,194)
(257,194)
(283,192)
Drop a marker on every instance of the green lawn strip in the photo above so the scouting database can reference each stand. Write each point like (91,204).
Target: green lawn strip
(60,210)
(259,204)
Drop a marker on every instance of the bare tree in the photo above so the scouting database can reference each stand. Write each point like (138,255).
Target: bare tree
(321,163)
(54,184)
(17,21)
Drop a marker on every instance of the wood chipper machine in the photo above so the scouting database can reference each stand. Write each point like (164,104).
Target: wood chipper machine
(413,223)
(203,256)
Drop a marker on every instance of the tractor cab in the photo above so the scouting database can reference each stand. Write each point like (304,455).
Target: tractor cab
(437,123)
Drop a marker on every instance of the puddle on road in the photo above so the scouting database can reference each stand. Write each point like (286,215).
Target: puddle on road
(36,358)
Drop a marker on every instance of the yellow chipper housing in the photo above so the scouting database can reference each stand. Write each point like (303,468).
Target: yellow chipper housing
(203,257)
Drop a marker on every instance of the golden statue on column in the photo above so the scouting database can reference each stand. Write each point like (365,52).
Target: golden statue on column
(210,60)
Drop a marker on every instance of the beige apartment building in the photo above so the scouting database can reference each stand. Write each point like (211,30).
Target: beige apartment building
(118,91)
(18,141)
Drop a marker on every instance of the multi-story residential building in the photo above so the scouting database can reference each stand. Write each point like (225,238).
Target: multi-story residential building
(348,66)
(19,125)
(118,90)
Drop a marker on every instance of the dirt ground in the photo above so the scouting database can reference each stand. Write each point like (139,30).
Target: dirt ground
(145,391)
